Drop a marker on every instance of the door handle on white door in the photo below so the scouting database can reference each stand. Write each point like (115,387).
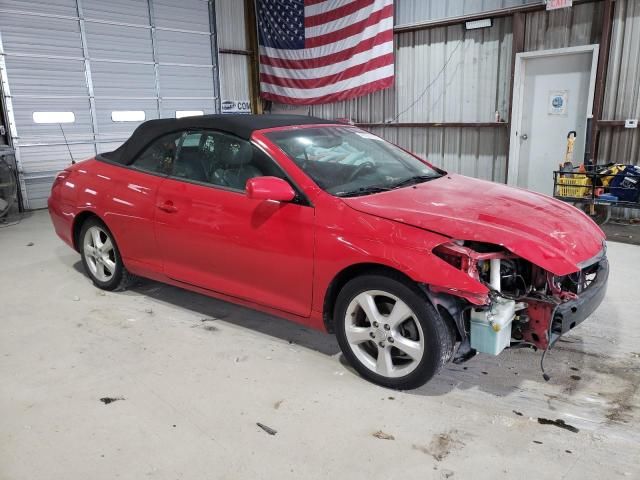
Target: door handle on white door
(524,136)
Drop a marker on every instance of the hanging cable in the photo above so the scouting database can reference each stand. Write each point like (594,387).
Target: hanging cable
(544,374)
(444,67)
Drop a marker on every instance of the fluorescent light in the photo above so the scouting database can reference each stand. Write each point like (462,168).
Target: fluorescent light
(54,117)
(188,113)
(482,23)
(128,116)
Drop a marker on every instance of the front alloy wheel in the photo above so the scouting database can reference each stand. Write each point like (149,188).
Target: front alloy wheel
(384,334)
(389,331)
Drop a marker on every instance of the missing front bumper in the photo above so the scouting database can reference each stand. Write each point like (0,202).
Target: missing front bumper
(569,314)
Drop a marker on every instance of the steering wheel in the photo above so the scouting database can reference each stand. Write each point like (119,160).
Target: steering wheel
(359,169)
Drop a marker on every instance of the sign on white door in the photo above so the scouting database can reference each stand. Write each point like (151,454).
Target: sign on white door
(558,102)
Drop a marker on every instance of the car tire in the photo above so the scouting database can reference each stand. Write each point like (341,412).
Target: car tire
(100,256)
(414,340)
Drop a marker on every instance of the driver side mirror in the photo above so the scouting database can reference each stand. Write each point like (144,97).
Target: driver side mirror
(269,188)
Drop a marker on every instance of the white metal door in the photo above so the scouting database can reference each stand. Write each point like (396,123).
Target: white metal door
(555,98)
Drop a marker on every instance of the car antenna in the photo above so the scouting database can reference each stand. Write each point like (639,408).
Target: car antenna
(73,162)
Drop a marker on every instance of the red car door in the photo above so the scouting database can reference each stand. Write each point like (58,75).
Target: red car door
(212,236)
(129,203)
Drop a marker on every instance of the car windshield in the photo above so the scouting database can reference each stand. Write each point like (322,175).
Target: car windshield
(347,161)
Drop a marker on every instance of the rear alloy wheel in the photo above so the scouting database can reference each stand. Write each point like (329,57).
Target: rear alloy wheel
(390,333)
(101,257)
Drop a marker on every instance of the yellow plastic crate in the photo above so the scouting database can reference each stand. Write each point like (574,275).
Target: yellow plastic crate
(575,186)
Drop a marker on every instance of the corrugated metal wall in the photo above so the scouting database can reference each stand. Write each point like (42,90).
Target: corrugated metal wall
(477,152)
(93,57)
(447,74)
(417,11)
(235,73)
(622,96)
(568,27)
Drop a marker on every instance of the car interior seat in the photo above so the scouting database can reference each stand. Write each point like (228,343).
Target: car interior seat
(235,165)
(189,164)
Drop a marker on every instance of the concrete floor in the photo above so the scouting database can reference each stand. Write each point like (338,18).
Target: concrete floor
(196,374)
(622,231)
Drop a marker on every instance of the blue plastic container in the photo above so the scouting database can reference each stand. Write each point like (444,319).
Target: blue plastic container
(607,197)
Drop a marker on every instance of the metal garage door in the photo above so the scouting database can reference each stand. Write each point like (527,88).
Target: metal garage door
(101,67)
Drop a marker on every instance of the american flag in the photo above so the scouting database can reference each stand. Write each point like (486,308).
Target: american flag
(321,51)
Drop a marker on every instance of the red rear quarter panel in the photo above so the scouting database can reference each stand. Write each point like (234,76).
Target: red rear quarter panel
(62,216)
(123,198)
(62,202)
(88,187)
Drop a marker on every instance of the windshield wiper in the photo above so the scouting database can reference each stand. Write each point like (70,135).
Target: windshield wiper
(377,189)
(362,191)
(415,179)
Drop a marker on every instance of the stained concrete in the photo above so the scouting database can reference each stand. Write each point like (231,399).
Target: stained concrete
(157,382)
(622,231)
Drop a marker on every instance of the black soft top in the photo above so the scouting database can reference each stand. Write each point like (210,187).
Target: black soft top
(239,125)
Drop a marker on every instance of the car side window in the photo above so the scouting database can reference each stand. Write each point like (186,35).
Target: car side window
(160,155)
(221,160)
(196,157)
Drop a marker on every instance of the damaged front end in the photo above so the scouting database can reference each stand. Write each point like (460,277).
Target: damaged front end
(525,305)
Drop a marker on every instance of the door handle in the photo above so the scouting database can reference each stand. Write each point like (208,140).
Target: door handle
(167,206)
(524,136)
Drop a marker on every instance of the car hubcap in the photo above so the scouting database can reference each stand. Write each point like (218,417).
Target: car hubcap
(99,253)
(384,333)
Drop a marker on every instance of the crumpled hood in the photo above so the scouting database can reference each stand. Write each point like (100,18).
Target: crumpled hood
(547,232)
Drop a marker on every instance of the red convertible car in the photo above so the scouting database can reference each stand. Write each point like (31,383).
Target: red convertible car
(337,229)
